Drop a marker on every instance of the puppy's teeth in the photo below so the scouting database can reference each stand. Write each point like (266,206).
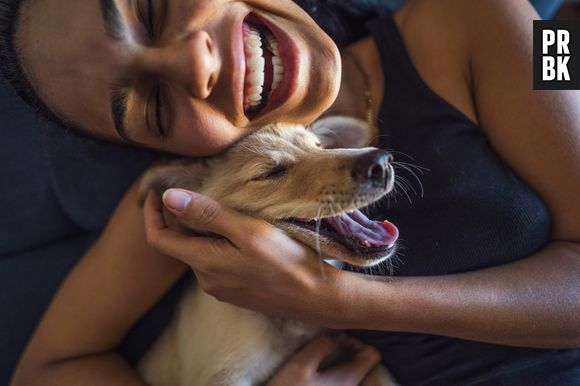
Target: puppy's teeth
(367,244)
(391,245)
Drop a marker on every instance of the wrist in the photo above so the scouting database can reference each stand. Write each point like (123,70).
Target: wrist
(348,301)
(369,303)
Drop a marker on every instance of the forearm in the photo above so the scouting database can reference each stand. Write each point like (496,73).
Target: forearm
(532,302)
(117,281)
(107,369)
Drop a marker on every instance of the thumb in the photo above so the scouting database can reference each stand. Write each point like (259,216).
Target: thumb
(200,212)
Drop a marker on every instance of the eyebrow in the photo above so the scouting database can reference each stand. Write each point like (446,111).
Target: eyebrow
(115,29)
(119,96)
(112,19)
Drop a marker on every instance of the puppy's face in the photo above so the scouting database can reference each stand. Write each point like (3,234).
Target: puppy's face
(284,175)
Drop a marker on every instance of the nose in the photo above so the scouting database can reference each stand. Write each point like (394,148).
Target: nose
(373,168)
(191,62)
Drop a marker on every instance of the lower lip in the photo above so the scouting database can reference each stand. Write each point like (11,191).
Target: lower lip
(290,56)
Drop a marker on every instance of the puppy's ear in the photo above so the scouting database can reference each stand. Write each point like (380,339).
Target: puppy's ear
(343,132)
(184,174)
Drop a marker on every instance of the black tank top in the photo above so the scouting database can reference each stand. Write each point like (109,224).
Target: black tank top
(474,213)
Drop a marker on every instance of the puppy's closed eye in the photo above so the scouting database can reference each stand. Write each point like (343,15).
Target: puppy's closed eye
(277,171)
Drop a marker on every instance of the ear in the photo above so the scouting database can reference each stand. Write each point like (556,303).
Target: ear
(343,132)
(185,174)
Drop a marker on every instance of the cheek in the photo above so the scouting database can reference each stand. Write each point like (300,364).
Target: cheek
(200,131)
(200,140)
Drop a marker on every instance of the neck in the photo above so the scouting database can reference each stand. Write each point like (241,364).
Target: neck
(361,73)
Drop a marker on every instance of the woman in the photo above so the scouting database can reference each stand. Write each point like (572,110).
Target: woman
(458,320)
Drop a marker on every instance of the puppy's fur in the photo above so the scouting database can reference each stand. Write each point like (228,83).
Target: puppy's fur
(281,173)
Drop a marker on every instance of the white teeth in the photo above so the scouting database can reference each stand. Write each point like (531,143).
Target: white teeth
(254,42)
(255,90)
(256,79)
(255,65)
(367,244)
(391,245)
(277,65)
(256,62)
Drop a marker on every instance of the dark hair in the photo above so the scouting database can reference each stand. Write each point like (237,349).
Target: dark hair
(343,20)
(10,65)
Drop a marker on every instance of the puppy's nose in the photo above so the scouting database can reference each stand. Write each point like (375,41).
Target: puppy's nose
(373,168)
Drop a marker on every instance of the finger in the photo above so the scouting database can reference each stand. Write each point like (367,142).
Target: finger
(203,213)
(355,370)
(191,250)
(314,352)
(152,211)
(348,342)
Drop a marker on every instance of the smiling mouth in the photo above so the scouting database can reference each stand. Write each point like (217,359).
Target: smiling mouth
(264,65)
(370,240)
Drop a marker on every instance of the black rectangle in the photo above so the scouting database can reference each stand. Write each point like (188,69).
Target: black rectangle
(573,65)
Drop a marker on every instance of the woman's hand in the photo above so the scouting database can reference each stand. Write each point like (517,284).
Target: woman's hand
(254,265)
(302,368)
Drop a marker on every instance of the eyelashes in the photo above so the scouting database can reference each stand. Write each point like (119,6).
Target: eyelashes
(275,172)
(152,15)
(158,112)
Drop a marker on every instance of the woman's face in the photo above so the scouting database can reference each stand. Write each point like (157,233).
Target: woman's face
(179,75)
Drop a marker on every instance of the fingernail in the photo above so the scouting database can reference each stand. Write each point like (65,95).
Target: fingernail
(176,199)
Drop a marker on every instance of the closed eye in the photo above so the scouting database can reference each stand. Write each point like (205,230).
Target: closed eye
(276,172)
(159,115)
(152,16)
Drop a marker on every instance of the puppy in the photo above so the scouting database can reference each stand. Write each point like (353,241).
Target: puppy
(298,180)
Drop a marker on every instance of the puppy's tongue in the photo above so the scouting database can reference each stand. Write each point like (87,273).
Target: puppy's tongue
(367,232)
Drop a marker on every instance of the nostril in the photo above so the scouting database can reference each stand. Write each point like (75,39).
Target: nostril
(376,172)
(210,84)
(372,168)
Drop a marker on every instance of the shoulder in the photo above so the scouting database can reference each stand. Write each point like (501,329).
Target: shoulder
(451,42)
(454,13)
(462,25)
(536,133)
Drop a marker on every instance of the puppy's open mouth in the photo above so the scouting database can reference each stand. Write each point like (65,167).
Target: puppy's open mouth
(372,241)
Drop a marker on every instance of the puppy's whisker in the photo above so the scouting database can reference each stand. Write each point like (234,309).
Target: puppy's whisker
(419,169)
(408,169)
(400,153)
(404,188)
(408,184)
(317,232)
(318,250)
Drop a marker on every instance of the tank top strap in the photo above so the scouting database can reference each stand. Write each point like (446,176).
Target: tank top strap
(405,90)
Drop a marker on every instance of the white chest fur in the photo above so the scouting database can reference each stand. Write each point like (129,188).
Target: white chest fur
(211,343)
